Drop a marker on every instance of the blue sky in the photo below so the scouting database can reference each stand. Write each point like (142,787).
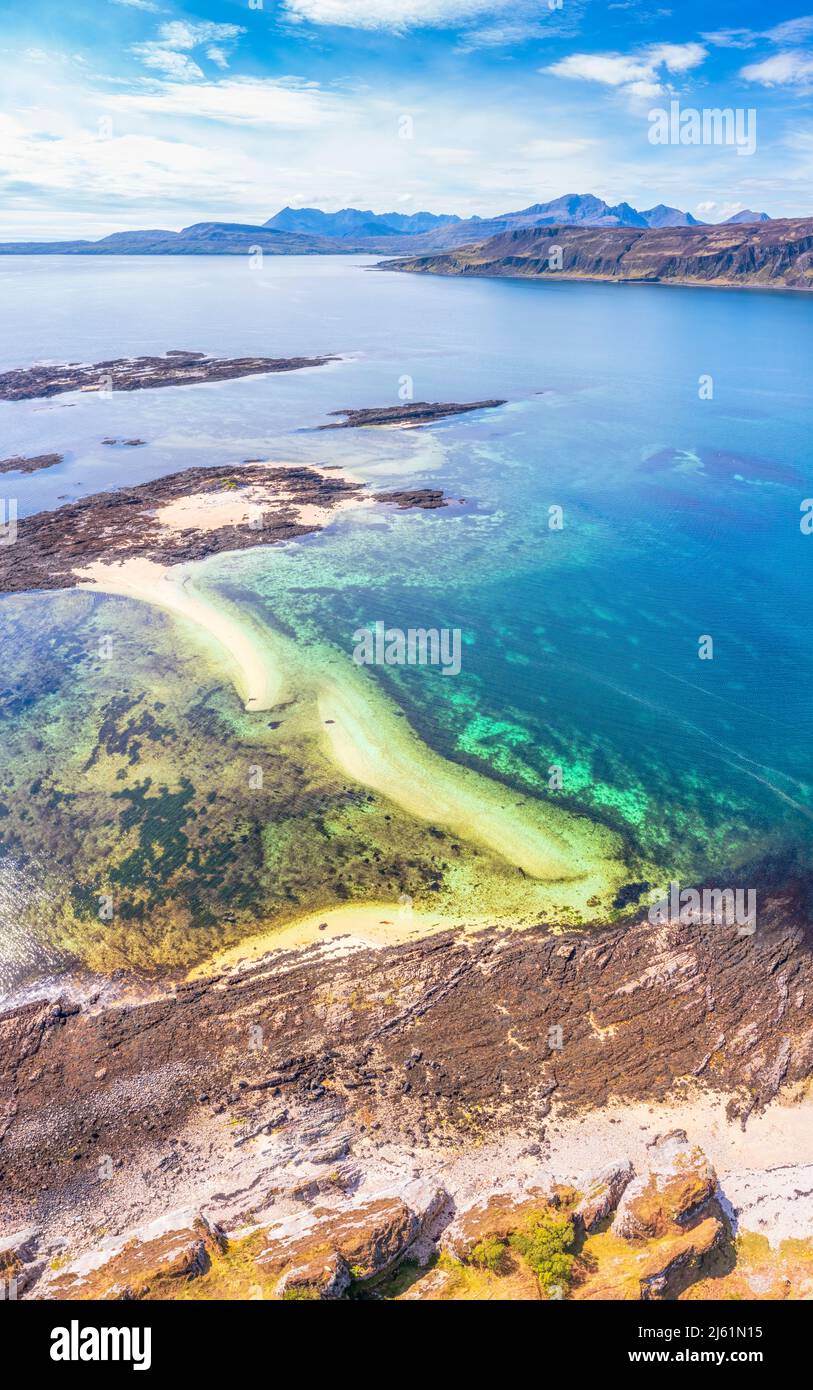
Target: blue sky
(148,113)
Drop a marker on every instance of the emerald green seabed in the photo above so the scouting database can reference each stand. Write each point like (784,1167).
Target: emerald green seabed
(132,777)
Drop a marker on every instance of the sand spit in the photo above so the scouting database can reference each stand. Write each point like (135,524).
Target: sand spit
(363,735)
(258,681)
(382,752)
(347,929)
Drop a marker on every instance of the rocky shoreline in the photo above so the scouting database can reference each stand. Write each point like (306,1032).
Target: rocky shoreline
(184,516)
(321,1119)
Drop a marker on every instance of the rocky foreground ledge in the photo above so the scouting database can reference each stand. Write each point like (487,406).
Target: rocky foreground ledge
(175,368)
(409,1122)
(625,1236)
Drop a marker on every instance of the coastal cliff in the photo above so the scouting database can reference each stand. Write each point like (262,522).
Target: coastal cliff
(769,255)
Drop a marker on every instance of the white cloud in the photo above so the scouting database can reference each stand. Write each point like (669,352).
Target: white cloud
(721,211)
(791,68)
(447,155)
(555,149)
(236,101)
(178,33)
(138,5)
(168,61)
(238,148)
(622,69)
(612,69)
(508,33)
(110,169)
(731,38)
(168,54)
(395,14)
(639,74)
(791,31)
(677,57)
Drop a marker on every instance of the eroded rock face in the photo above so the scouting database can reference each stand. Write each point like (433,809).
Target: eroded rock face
(603,1193)
(143,1267)
(316,1276)
(679,1184)
(495,1218)
(18,1248)
(359,1245)
(678,1259)
(744,1029)
(18,1266)
(83,1080)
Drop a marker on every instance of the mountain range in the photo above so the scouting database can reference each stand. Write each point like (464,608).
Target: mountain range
(310,231)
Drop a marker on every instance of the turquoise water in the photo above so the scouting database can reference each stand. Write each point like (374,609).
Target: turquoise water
(580,645)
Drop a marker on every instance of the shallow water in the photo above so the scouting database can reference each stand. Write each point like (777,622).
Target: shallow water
(580,645)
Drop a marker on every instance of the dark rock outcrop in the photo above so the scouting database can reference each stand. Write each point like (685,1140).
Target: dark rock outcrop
(19,464)
(175,368)
(411,413)
(114,526)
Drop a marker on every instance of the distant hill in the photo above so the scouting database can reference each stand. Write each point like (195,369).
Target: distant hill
(201,239)
(662,216)
(311,232)
(777,254)
(746,216)
(352,223)
(577,209)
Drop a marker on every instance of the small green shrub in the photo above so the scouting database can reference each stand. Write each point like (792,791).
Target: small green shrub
(489,1254)
(544,1247)
(306,1291)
